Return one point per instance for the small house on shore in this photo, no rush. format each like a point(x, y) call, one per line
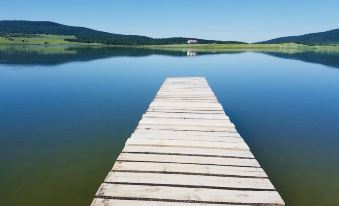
point(192, 41)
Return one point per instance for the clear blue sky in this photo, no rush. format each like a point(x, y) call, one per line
point(245, 20)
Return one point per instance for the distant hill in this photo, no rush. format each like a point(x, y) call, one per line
point(321, 38)
point(87, 35)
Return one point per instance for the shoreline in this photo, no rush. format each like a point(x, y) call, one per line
point(286, 47)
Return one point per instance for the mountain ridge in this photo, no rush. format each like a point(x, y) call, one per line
point(330, 37)
point(87, 35)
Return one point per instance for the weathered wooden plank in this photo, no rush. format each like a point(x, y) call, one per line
point(186, 105)
point(184, 140)
point(225, 161)
point(124, 202)
point(187, 143)
point(187, 124)
point(185, 87)
point(174, 86)
point(185, 80)
point(183, 99)
point(181, 89)
point(188, 137)
point(185, 108)
point(193, 111)
point(211, 170)
point(211, 97)
point(191, 122)
point(203, 181)
point(186, 91)
point(181, 93)
point(189, 133)
point(185, 116)
point(187, 128)
point(169, 100)
point(189, 195)
point(182, 83)
point(212, 152)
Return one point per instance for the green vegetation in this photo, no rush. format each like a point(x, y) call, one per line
point(35, 39)
point(321, 38)
point(85, 35)
point(36, 48)
point(51, 42)
point(284, 48)
point(45, 32)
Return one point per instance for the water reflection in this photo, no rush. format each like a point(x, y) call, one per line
point(325, 58)
point(54, 55)
point(61, 127)
point(191, 53)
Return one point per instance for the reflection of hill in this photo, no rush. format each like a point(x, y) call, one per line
point(325, 58)
point(53, 55)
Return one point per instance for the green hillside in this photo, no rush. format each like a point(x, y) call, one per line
point(86, 35)
point(321, 38)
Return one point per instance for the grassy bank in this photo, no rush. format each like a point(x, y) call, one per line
point(37, 39)
point(61, 40)
point(286, 48)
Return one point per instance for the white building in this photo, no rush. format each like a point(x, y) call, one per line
point(192, 41)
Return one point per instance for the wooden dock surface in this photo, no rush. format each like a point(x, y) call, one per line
point(186, 151)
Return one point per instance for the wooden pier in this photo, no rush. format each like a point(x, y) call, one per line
point(186, 152)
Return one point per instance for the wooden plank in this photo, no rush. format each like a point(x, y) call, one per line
point(186, 123)
point(181, 89)
point(188, 133)
point(174, 90)
point(187, 83)
point(186, 108)
point(211, 97)
point(190, 169)
point(180, 100)
point(179, 92)
point(193, 111)
point(186, 105)
point(185, 86)
point(212, 152)
point(188, 137)
point(188, 93)
point(194, 139)
point(187, 143)
point(222, 161)
point(189, 180)
point(191, 122)
point(175, 80)
point(185, 116)
point(196, 99)
point(189, 195)
point(124, 202)
point(187, 128)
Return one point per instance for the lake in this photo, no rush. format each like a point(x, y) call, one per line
point(66, 113)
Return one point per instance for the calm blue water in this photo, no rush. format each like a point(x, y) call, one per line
point(64, 120)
